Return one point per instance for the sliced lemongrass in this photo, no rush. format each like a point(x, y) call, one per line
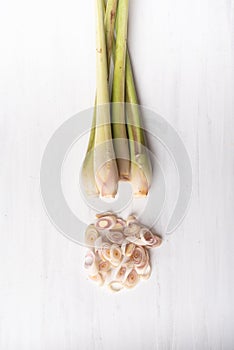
point(90, 263)
point(132, 229)
point(107, 213)
point(135, 240)
point(121, 273)
point(129, 249)
point(115, 237)
point(97, 278)
point(157, 242)
point(123, 246)
point(120, 225)
point(98, 244)
point(115, 286)
point(118, 93)
point(104, 266)
point(105, 222)
point(139, 257)
point(132, 279)
point(105, 251)
point(145, 272)
point(115, 255)
point(91, 235)
point(105, 167)
point(131, 219)
point(146, 236)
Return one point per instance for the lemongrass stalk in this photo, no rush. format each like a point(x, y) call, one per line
point(87, 174)
point(118, 93)
point(110, 16)
point(105, 167)
point(141, 169)
point(87, 171)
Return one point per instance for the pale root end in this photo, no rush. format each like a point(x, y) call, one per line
point(124, 169)
point(139, 181)
point(87, 176)
point(107, 179)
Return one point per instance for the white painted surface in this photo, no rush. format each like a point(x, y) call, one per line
point(183, 57)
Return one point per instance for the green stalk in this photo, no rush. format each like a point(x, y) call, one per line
point(118, 93)
point(105, 168)
point(88, 177)
point(141, 169)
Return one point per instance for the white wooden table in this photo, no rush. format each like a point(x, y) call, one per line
point(183, 57)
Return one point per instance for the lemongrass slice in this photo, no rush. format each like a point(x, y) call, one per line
point(98, 244)
point(115, 237)
point(123, 246)
point(105, 251)
point(132, 229)
point(115, 286)
point(146, 236)
point(132, 279)
point(129, 249)
point(120, 225)
point(145, 272)
point(90, 263)
point(156, 243)
point(105, 222)
point(107, 213)
point(97, 278)
point(104, 266)
point(121, 273)
point(115, 255)
point(91, 234)
point(139, 257)
point(131, 219)
point(136, 241)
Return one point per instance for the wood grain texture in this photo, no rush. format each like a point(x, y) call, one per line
point(183, 57)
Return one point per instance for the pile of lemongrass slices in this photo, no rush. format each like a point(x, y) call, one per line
point(118, 255)
point(117, 146)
